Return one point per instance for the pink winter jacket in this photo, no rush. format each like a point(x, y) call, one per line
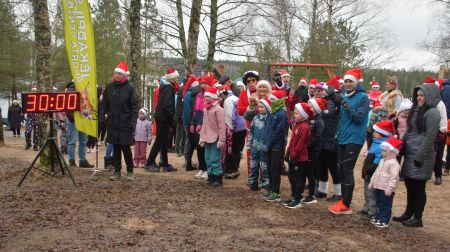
point(143, 131)
point(213, 128)
point(387, 174)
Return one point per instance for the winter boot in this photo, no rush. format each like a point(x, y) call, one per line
point(151, 168)
point(85, 164)
point(130, 176)
point(72, 164)
point(169, 168)
point(217, 181)
point(211, 179)
point(116, 176)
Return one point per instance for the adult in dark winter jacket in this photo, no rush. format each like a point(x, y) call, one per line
point(328, 153)
point(353, 119)
point(179, 136)
point(120, 107)
point(419, 152)
point(164, 117)
point(15, 117)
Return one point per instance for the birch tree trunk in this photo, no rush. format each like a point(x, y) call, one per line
point(135, 47)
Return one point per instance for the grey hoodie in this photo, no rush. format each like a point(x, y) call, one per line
point(420, 146)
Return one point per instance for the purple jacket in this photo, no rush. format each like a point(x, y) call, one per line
point(143, 131)
point(233, 120)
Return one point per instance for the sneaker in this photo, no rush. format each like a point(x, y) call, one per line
point(130, 176)
point(234, 175)
point(340, 208)
point(374, 220)
point(438, 181)
point(253, 187)
point(334, 198)
point(151, 168)
point(27, 147)
point(204, 175)
point(116, 176)
point(85, 164)
point(380, 224)
point(294, 204)
point(72, 164)
point(321, 195)
point(363, 213)
point(287, 201)
point(169, 168)
point(199, 174)
point(274, 197)
point(309, 200)
point(266, 195)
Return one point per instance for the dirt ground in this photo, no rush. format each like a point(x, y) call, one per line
point(174, 211)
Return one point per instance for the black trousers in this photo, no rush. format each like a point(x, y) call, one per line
point(274, 166)
point(160, 144)
point(297, 174)
point(347, 157)
point(233, 160)
point(447, 158)
point(117, 157)
point(314, 164)
point(193, 142)
point(16, 131)
point(416, 197)
point(439, 154)
point(328, 162)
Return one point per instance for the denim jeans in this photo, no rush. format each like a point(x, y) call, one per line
point(258, 161)
point(384, 204)
point(74, 136)
point(109, 150)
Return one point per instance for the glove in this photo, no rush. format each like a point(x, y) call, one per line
point(388, 192)
point(370, 186)
point(192, 129)
point(336, 98)
point(198, 128)
point(287, 157)
point(220, 145)
point(417, 163)
point(202, 144)
point(149, 141)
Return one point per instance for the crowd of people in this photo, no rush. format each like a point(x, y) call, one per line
point(328, 124)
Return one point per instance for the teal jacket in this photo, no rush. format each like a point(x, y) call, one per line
point(353, 119)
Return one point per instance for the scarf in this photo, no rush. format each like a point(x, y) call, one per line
point(209, 105)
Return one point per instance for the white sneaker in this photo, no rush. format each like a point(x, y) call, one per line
point(205, 175)
point(199, 174)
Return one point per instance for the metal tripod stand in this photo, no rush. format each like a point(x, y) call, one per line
point(55, 156)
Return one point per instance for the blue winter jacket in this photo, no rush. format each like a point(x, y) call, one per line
point(187, 108)
point(445, 95)
point(276, 126)
point(353, 119)
point(375, 149)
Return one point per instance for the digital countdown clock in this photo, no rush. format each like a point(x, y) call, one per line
point(50, 102)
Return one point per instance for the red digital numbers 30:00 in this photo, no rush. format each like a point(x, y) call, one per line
point(48, 102)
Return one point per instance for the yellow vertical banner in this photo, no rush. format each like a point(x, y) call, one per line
point(80, 45)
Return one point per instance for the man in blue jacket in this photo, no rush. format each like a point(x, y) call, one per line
point(353, 118)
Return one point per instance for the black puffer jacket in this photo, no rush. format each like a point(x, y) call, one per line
point(120, 106)
point(15, 116)
point(165, 109)
point(179, 104)
point(330, 118)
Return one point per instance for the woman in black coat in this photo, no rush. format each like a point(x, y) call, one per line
point(15, 117)
point(119, 105)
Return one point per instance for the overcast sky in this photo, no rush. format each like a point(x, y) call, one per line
point(410, 21)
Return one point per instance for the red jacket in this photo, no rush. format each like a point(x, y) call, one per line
point(300, 140)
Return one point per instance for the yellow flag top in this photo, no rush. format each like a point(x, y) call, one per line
point(79, 36)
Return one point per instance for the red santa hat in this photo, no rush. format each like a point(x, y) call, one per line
point(211, 92)
point(385, 128)
point(122, 68)
point(393, 144)
point(304, 81)
point(264, 83)
point(313, 83)
point(318, 104)
point(430, 80)
point(172, 74)
point(223, 88)
point(144, 111)
point(334, 82)
point(267, 104)
point(375, 84)
point(303, 109)
point(353, 75)
point(284, 73)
